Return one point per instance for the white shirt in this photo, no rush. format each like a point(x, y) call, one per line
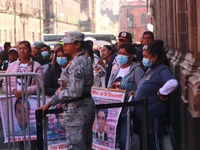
point(123, 71)
point(22, 69)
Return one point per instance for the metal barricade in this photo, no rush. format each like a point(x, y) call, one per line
point(41, 135)
point(20, 130)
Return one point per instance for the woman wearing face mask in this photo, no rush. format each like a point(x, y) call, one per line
point(131, 73)
point(156, 85)
point(59, 62)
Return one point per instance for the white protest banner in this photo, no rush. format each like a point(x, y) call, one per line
point(105, 124)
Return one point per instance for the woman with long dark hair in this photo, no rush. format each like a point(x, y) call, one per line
point(59, 63)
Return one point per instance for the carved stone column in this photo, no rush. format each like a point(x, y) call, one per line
point(180, 50)
point(182, 25)
point(193, 86)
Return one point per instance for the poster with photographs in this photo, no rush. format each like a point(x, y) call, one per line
point(56, 135)
point(15, 127)
point(105, 124)
point(18, 118)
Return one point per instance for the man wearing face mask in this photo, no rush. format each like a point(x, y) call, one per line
point(46, 56)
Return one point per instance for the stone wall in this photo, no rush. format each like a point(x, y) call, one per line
point(176, 22)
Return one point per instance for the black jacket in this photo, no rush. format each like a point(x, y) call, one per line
point(51, 80)
point(105, 136)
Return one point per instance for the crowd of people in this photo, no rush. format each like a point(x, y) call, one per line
point(73, 67)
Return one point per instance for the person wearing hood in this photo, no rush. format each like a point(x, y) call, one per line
point(131, 73)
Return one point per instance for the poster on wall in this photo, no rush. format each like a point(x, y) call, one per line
point(105, 124)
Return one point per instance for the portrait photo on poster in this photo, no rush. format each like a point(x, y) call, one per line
point(21, 115)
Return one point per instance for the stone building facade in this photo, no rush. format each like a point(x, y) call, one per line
point(177, 23)
point(29, 19)
point(60, 16)
point(133, 17)
point(20, 20)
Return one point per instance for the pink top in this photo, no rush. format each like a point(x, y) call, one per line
point(32, 66)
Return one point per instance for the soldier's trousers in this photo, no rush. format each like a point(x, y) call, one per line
point(79, 120)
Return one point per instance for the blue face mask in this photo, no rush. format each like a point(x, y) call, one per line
point(45, 54)
point(62, 61)
point(146, 62)
point(122, 59)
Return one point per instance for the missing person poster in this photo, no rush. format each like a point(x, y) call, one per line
point(105, 124)
point(18, 118)
point(18, 128)
point(56, 134)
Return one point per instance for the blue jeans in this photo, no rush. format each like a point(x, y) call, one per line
point(122, 132)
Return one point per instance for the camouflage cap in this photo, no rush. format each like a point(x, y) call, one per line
point(72, 36)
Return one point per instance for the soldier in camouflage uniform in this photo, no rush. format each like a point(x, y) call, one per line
point(76, 82)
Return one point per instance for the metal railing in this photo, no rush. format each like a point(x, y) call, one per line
point(143, 103)
point(10, 103)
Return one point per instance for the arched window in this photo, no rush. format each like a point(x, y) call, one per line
point(143, 19)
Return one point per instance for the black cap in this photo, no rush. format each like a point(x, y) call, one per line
point(126, 36)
